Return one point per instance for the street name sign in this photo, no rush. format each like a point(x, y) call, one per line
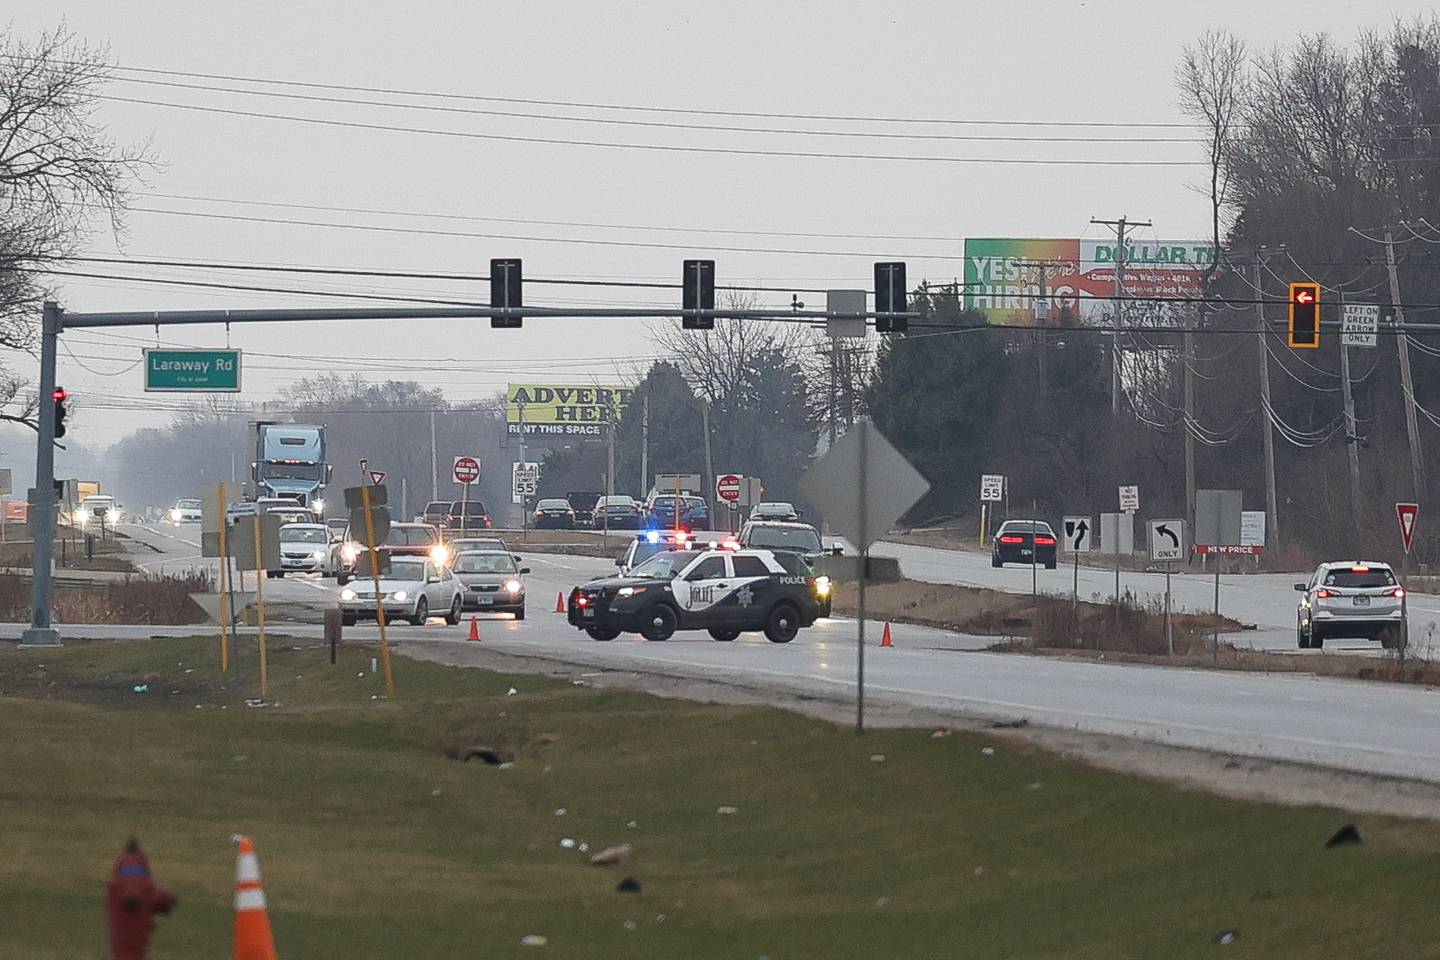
point(192, 371)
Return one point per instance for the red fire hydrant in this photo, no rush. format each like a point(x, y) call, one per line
point(134, 899)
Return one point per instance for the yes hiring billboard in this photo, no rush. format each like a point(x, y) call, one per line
point(571, 410)
point(1004, 277)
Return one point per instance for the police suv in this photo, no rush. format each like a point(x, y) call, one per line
point(724, 591)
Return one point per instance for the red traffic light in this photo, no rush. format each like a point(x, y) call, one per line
point(1304, 315)
point(59, 395)
point(1305, 296)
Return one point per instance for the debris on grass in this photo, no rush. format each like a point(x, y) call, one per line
point(1010, 724)
point(568, 843)
point(533, 940)
point(877, 758)
point(988, 751)
point(1345, 835)
point(727, 810)
point(612, 855)
point(1226, 936)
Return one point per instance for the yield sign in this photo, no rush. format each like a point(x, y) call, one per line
point(1407, 513)
point(377, 477)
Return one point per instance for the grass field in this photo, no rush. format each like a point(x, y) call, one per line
point(375, 845)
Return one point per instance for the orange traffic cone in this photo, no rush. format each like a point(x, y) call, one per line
point(560, 602)
point(253, 939)
point(885, 640)
point(474, 628)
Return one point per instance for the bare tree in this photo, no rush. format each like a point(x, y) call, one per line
point(58, 168)
point(1212, 80)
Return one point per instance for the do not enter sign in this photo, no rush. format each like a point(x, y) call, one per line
point(727, 488)
point(467, 470)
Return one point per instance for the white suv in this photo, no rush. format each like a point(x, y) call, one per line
point(1350, 599)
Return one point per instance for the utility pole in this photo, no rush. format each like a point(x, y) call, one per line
point(644, 445)
point(524, 507)
point(1268, 427)
point(1417, 467)
point(434, 462)
point(1352, 437)
point(1188, 345)
point(1120, 227)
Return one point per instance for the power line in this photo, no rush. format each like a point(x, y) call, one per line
point(654, 147)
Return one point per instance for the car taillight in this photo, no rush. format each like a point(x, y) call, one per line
point(1045, 541)
point(1322, 594)
point(1398, 593)
point(1010, 539)
point(582, 601)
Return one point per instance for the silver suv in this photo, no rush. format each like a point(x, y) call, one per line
point(1350, 599)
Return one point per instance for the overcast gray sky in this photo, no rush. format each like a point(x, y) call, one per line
point(1068, 60)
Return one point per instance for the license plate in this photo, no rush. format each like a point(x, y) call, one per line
point(1024, 551)
point(484, 601)
point(1362, 601)
point(588, 613)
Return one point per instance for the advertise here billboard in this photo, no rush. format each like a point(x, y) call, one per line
point(564, 410)
point(1034, 281)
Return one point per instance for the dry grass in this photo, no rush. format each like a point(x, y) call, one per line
point(141, 599)
point(109, 553)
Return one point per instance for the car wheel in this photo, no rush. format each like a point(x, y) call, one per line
point(1050, 564)
point(724, 634)
point(1390, 638)
point(603, 634)
point(422, 612)
point(995, 560)
point(341, 579)
point(520, 614)
point(453, 617)
point(660, 622)
point(783, 623)
point(1317, 640)
point(1301, 640)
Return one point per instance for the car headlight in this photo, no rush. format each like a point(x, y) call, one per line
point(822, 586)
point(629, 591)
point(82, 516)
point(512, 585)
point(350, 552)
point(400, 595)
point(318, 506)
point(347, 594)
point(175, 515)
point(317, 555)
point(439, 553)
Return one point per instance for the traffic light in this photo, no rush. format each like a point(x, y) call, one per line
point(1305, 315)
point(699, 284)
point(890, 297)
point(505, 292)
point(59, 395)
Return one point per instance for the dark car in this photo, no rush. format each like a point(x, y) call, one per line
point(583, 503)
point(726, 592)
point(692, 510)
point(1023, 541)
point(403, 540)
point(780, 536)
point(618, 513)
point(434, 513)
point(553, 514)
point(465, 515)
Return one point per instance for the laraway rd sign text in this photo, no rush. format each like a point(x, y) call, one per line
point(198, 371)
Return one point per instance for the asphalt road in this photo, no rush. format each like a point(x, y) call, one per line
point(1369, 727)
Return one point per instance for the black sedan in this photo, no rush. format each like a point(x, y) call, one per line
point(553, 514)
point(1024, 541)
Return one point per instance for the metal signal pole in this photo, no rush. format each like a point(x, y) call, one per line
point(1120, 227)
point(1412, 426)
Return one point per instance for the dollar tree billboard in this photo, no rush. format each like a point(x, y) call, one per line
point(1018, 281)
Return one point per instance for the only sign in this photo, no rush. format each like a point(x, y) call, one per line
point(467, 470)
point(727, 488)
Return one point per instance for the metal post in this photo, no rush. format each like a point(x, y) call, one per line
point(375, 581)
point(709, 480)
point(1352, 441)
point(404, 497)
point(225, 590)
point(862, 516)
point(1267, 432)
point(1215, 640)
point(1118, 323)
point(260, 607)
point(645, 445)
point(41, 632)
point(1402, 343)
point(609, 485)
point(1075, 587)
point(1189, 378)
point(1169, 633)
point(434, 463)
point(524, 507)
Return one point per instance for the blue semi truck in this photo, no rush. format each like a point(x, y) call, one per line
point(290, 463)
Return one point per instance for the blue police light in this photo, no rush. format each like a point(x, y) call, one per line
point(653, 536)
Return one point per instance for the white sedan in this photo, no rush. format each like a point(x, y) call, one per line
point(304, 548)
point(413, 589)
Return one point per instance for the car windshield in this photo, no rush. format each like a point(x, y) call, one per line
point(188, 504)
point(552, 505)
point(484, 563)
point(406, 570)
point(662, 566)
point(437, 506)
point(613, 502)
point(473, 508)
point(776, 508)
point(1360, 577)
point(480, 544)
point(291, 534)
point(794, 564)
point(409, 536)
point(795, 538)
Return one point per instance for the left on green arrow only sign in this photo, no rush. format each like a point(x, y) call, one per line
point(192, 371)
